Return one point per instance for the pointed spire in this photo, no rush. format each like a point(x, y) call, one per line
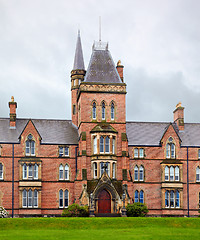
point(78, 59)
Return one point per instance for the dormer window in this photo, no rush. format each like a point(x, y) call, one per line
point(30, 146)
point(94, 110)
point(170, 149)
point(103, 111)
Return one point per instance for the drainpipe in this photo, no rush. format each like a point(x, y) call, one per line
point(76, 149)
point(188, 184)
point(12, 180)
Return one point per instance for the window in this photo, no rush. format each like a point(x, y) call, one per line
point(114, 170)
point(24, 171)
point(101, 144)
point(172, 199)
point(24, 198)
point(66, 198)
point(66, 172)
point(198, 174)
point(176, 173)
point(61, 198)
point(170, 150)
point(136, 173)
point(112, 113)
point(0, 150)
point(66, 151)
point(95, 169)
point(30, 198)
point(74, 109)
point(1, 171)
point(63, 151)
point(141, 173)
point(108, 168)
point(135, 152)
point(136, 196)
point(30, 146)
point(30, 171)
point(35, 199)
point(63, 202)
point(166, 173)
point(113, 145)
point(107, 145)
point(141, 152)
point(101, 168)
point(198, 153)
point(61, 172)
point(103, 111)
point(171, 170)
point(94, 110)
point(141, 196)
point(60, 151)
point(35, 171)
point(95, 145)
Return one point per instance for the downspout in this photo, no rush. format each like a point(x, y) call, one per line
point(188, 199)
point(76, 149)
point(12, 180)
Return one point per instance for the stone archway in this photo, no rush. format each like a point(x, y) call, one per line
point(104, 202)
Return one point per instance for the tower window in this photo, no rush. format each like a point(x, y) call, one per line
point(103, 111)
point(112, 113)
point(94, 110)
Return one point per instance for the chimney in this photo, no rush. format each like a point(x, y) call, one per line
point(12, 106)
point(120, 70)
point(179, 116)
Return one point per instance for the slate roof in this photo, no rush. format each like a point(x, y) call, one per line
point(101, 67)
point(78, 59)
point(150, 133)
point(51, 131)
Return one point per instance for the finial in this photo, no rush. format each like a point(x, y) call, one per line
point(119, 63)
point(178, 105)
point(12, 99)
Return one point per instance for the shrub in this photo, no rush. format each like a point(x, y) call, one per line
point(75, 210)
point(136, 210)
point(3, 212)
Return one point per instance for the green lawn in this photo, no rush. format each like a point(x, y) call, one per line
point(99, 228)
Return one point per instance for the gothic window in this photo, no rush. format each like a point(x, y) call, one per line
point(114, 170)
point(141, 173)
point(30, 171)
point(166, 173)
point(95, 145)
point(136, 196)
point(101, 144)
point(61, 198)
point(113, 145)
point(95, 169)
point(177, 202)
point(198, 174)
point(107, 145)
point(176, 173)
point(171, 170)
point(167, 198)
point(30, 198)
point(112, 113)
point(35, 199)
point(101, 168)
point(141, 196)
point(61, 172)
point(94, 110)
point(24, 198)
point(66, 198)
point(136, 173)
point(1, 171)
point(108, 168)
point(172, 173)
point(170, 149)
point(172, 199)
point(103, 111)
point(35, 171)
point(66, 172)
point(30, 146)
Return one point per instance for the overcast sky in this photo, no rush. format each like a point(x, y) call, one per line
point(157, 41)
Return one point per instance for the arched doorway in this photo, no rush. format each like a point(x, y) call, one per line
point(104, 202)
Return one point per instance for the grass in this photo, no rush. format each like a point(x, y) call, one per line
point(99, 228)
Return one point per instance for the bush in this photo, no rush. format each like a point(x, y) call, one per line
point(136, 210)
point(75, 210)
point(3, 212)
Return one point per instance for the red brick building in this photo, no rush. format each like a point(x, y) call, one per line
point(98, 158)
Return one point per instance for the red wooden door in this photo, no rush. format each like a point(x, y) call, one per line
point(104, 202)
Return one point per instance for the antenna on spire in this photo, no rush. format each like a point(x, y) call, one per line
point(99, 28)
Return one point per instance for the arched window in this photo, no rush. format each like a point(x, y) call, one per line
point(141, 196)
point(95, 144)
point(171, 198)
point(108, 168)
point(167, 198)
point(24, 171)
point(35, 199)
point(198, 174)
point(113, 145)
point(171, 173)
point(1, 171)
point(30, 146)
point(136, 173)
point(141, 173)
point(35, 171)
point(30, 198)
point(61, 172)
point(107, 145)
point(66, 172)
point(170, 149)
point(30, 171)
point(24, 198)
point(112, 113)
point(94, 110)
point(95, 170)
point(136, 196)
point(114, 170)
point(66, 198)
point(166, 173)
point(177, 199)
point(103, 111)
point(101, 144)
point(176, 173)
point(101, 168)
point(61, 198)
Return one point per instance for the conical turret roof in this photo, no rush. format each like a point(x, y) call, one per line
point(78, 59)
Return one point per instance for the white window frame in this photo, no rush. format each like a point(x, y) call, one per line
point(136, 173)
point(66, 152)
point(61, 172)
point(102, 144)
point(60, 151)
point(24, 198)
point(94, 111)
point(103, 115)
point(107, 144)
point(66, 172)
point(66, 198)
point(30, 171)
point(1, 171)
point(166, 173)
point(35, 171)
point(176, 173)
point(113, 145)
point(141, 173)
point(95, 144)
point(35, 199)
point(171, 173)
point(95, 170)
point(141, 152)
point(30, 198)
point(198, 174)
point(136, 153)
point(112, 111)
point(114, 170)
point(61, 200)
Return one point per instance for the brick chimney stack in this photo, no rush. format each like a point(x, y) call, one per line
point(120, 70)
point(179, 116)
point(12, 106)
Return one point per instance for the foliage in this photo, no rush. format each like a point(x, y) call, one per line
point(3, 212)
point(136, 210)
point(75, 210)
